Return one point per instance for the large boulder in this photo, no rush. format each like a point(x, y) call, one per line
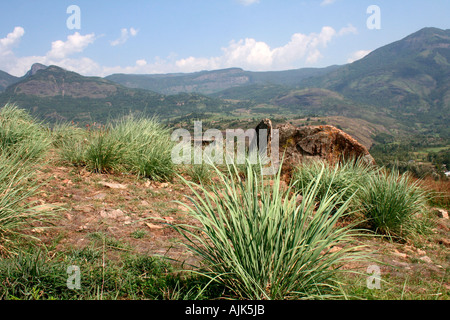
point(299, 144)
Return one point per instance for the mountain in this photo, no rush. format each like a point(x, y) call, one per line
point(403, 86)
point(209, 82)
point(408, 81)
point(6, 80)
point(34, 69)
point(409, 76)
point(56, 94)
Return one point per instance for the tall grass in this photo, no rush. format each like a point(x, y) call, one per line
point(258, 241)
point(147, 147)
point(23, 144)
point(346, 177)
point(136, 145)
point(393, 203)
point(19, 132)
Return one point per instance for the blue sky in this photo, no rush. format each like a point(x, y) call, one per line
point(167, 36)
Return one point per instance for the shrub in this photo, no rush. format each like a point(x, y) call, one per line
point(346, 177)
point(103, 153)
point(70, 143)
point(147, 147)
point(392, 203)
point(255, 239)
point(136, 145)
point(19, 132)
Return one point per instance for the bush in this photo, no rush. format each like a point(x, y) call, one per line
point(346, 177)
point(147, 147)
point(19, 132)
point(392, 203)
point(136, 145)
point(23, 144)
point(255, 239)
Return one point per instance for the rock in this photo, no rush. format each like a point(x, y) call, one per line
point(299, 144)
point(114, 214)
point(113, 185)
point(441, 213)
point(99, 196)
point(426, 259)
point(421, 252)
point(153, 226)
point(400, 254)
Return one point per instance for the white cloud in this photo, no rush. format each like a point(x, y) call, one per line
point(256, 55)
point(124, 36)
point(59, 54)
point(247, 2)
point(357, 55)
point(349, 29)
point(75, 43)
point(327, 2)
point(249, 53)
point(11, 40)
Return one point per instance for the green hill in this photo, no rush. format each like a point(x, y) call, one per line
point(55, 94)
point(6, 80)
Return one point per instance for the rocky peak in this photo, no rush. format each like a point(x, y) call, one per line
point(35, 68)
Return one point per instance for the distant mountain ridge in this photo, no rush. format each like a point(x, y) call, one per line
point(210, 82)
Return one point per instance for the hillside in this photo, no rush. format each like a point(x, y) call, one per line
point(6, 80)
point(408, 79)
point(55, 94)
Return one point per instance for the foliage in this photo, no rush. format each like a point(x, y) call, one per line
point(256, 240)
point(136, 145)
point(344, 177)
point(392, 203)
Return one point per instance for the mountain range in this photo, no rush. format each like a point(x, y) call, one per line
point(403, 86)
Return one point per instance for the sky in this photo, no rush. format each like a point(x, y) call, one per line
point(103, 37)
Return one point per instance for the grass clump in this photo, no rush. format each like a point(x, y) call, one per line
point(392, 203)
point(41, 276)
point(130, 145)
point(146, 146)
point(345, 177)
point(20, 134)
point(23, 144)
point(257, 241)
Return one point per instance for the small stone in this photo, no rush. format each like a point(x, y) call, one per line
point(400, 254)
point(426, 259)
point(421, 252)
point(114, 214)
point(169, 219)
point(113, 185)
point(99, 196)
point(441, 213)
point(153, 226)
